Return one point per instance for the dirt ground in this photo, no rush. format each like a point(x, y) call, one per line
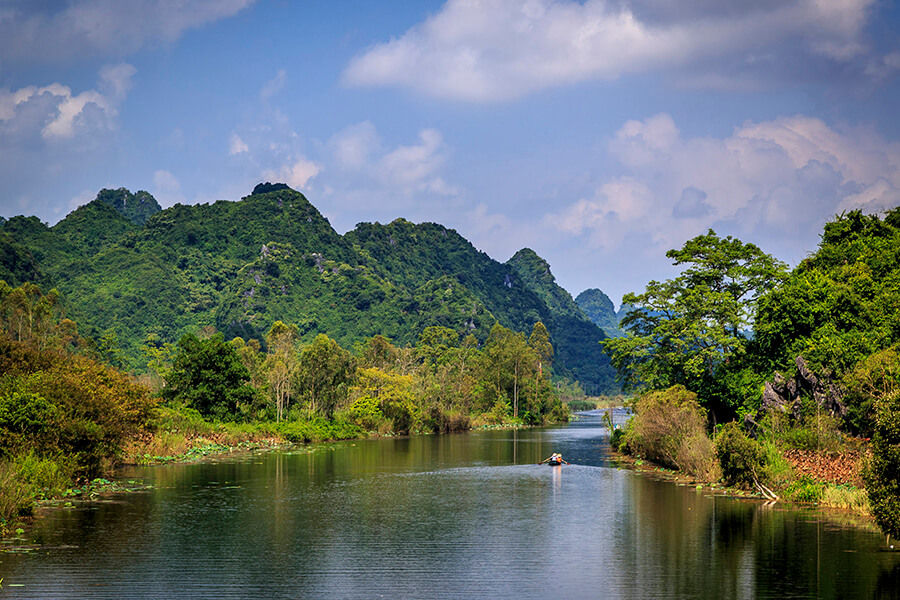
point(844, 468)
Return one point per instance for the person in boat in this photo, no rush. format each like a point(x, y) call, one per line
point(555, 459)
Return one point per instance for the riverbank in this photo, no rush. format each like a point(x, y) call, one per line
point(821, 479)
point(183, 436)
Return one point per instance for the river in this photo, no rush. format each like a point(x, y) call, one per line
point(456, 516)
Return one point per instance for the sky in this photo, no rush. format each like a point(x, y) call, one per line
point(599, 133)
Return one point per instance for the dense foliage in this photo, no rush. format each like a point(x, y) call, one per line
point(129, 271)
point(693, 330)
point(600, 309)
point(62, 412)
point(735, 319)
point(208, 375)
point(883, 473)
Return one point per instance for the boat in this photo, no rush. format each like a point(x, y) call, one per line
point(554, 463)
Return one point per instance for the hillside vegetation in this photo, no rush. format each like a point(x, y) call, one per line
point(132, 274)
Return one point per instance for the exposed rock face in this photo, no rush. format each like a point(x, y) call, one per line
point(785, 395)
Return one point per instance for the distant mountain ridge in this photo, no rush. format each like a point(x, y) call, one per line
point(123, 263)
point(601, 311)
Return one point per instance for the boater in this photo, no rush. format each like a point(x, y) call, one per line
point(555, 459)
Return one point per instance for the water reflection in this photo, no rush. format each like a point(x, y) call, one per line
point(441, 517)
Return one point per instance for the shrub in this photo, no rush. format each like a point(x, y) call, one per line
point(740, 457)
point(318, 429)
point(805, 489)
point(366, 412)
point(669, 427)
point(441, 421)
point(882, 474)
point(777, 471)
point(16, 496)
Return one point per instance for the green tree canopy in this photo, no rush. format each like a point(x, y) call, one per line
point(324, 375)
point(208, 375)
point(693, 330)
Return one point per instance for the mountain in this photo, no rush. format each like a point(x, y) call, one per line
point(600, 310)
point(137, 207)
point(125, 265)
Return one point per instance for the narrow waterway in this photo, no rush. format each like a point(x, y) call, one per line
point(457, 516)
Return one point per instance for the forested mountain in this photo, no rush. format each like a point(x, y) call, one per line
point(601, 311)
point(125, 266)
point(137, 208)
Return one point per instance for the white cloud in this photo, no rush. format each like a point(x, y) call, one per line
point(405, 169)
point(58, 113)
point(166, 183)
point(167, 188)
point(416, 164)
point(32, 31)
point(774, 180)
point(495, 50)
point(296, 174)
point(236, 145)
point(274, 85)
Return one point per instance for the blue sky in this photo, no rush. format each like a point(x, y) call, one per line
point(599, 133)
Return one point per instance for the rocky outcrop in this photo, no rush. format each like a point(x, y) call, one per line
point(785, 395)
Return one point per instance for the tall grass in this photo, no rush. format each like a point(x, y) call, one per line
point(26, 478)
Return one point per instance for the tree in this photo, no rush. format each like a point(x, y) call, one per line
point(692, 329)
point(539, 342)
point(883, 473)
point(434, 343)
point(324, 375)
point(281, 363)
point(27, 314)
point(839, 305)
point(208, 375)
point(509, 360)
point(378, 352)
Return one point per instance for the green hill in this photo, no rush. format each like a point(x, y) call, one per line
point(137, 208)
point(601, 311)
point(123, 265)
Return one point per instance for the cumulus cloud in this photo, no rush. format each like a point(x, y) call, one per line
point(58, 114)
point(236, 145)
point(495, 50)
point(297, 173)
point(36, 31)
point(359, 151)
point(772, 180)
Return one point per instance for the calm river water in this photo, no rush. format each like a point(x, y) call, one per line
point(458, 516)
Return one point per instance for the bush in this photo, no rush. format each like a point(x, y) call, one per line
point(805, 490)
point(318, 429)
point(616, 438)
point(669, 427)
point(366, 412)
point(441, 421)
point(882, 474)
point(741, 458)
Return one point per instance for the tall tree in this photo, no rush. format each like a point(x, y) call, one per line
point(281, 363)
point(324, 375)
point(509, 360)
point(208, 375)
point(691, 329)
